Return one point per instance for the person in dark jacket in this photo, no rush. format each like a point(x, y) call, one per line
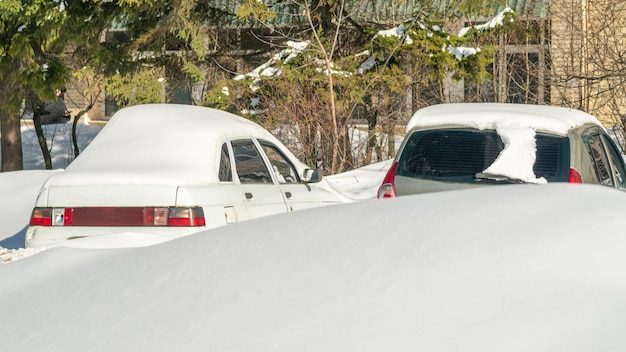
point(55, 111)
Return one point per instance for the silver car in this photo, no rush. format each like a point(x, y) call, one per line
point(454, 146)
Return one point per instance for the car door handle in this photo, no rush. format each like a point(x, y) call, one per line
point(249, 195)
point(288, 195)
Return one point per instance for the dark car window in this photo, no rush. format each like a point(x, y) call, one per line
point(617, 162)
point(458, 155)
point(249, 164)
point(599, 158)
point(552, 158)
point(282, 167)
point(225, 171)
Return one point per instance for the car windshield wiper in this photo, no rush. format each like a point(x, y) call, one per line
point(496, 178)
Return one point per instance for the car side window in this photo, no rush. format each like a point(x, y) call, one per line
point(599, 159)
point(225, 171)
point(617, 163)
point(281, 166)
point(248, 163)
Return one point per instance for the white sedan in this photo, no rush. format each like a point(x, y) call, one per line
point(173, 170)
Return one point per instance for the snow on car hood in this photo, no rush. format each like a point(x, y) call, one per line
point(516, 124)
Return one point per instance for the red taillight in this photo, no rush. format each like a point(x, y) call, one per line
point(387, 188)
point(575, 176)
point(118, 216)
point(41, 217)
point(68, 217)
point(186, 217)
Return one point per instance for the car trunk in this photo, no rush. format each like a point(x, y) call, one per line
point(108, 195)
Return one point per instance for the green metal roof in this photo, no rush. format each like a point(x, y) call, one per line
point(537, 8)
point(390, 11)
point(401, 10)
point(374, 11)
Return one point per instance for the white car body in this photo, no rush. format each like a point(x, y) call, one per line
point(166, 156)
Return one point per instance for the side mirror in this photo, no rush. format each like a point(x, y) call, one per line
point(312, 176)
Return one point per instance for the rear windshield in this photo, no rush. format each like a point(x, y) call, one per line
point(457, 155)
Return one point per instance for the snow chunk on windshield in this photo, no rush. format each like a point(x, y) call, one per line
point(517, 158)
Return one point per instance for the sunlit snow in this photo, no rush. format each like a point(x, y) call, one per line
point(522, 268)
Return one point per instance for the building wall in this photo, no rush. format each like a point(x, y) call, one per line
point(587, 48)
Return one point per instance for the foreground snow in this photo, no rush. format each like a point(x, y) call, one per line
point(516, 268)
point(521, 268)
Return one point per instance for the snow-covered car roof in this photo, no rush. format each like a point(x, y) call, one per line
point(160, 144)
point(544, 118)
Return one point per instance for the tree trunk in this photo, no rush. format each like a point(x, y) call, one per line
point(10, 129)
point(74, 127)
point(391, 137)
point(11, 139)
point(74, 137)
point(372, 122)
point(43, 145)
